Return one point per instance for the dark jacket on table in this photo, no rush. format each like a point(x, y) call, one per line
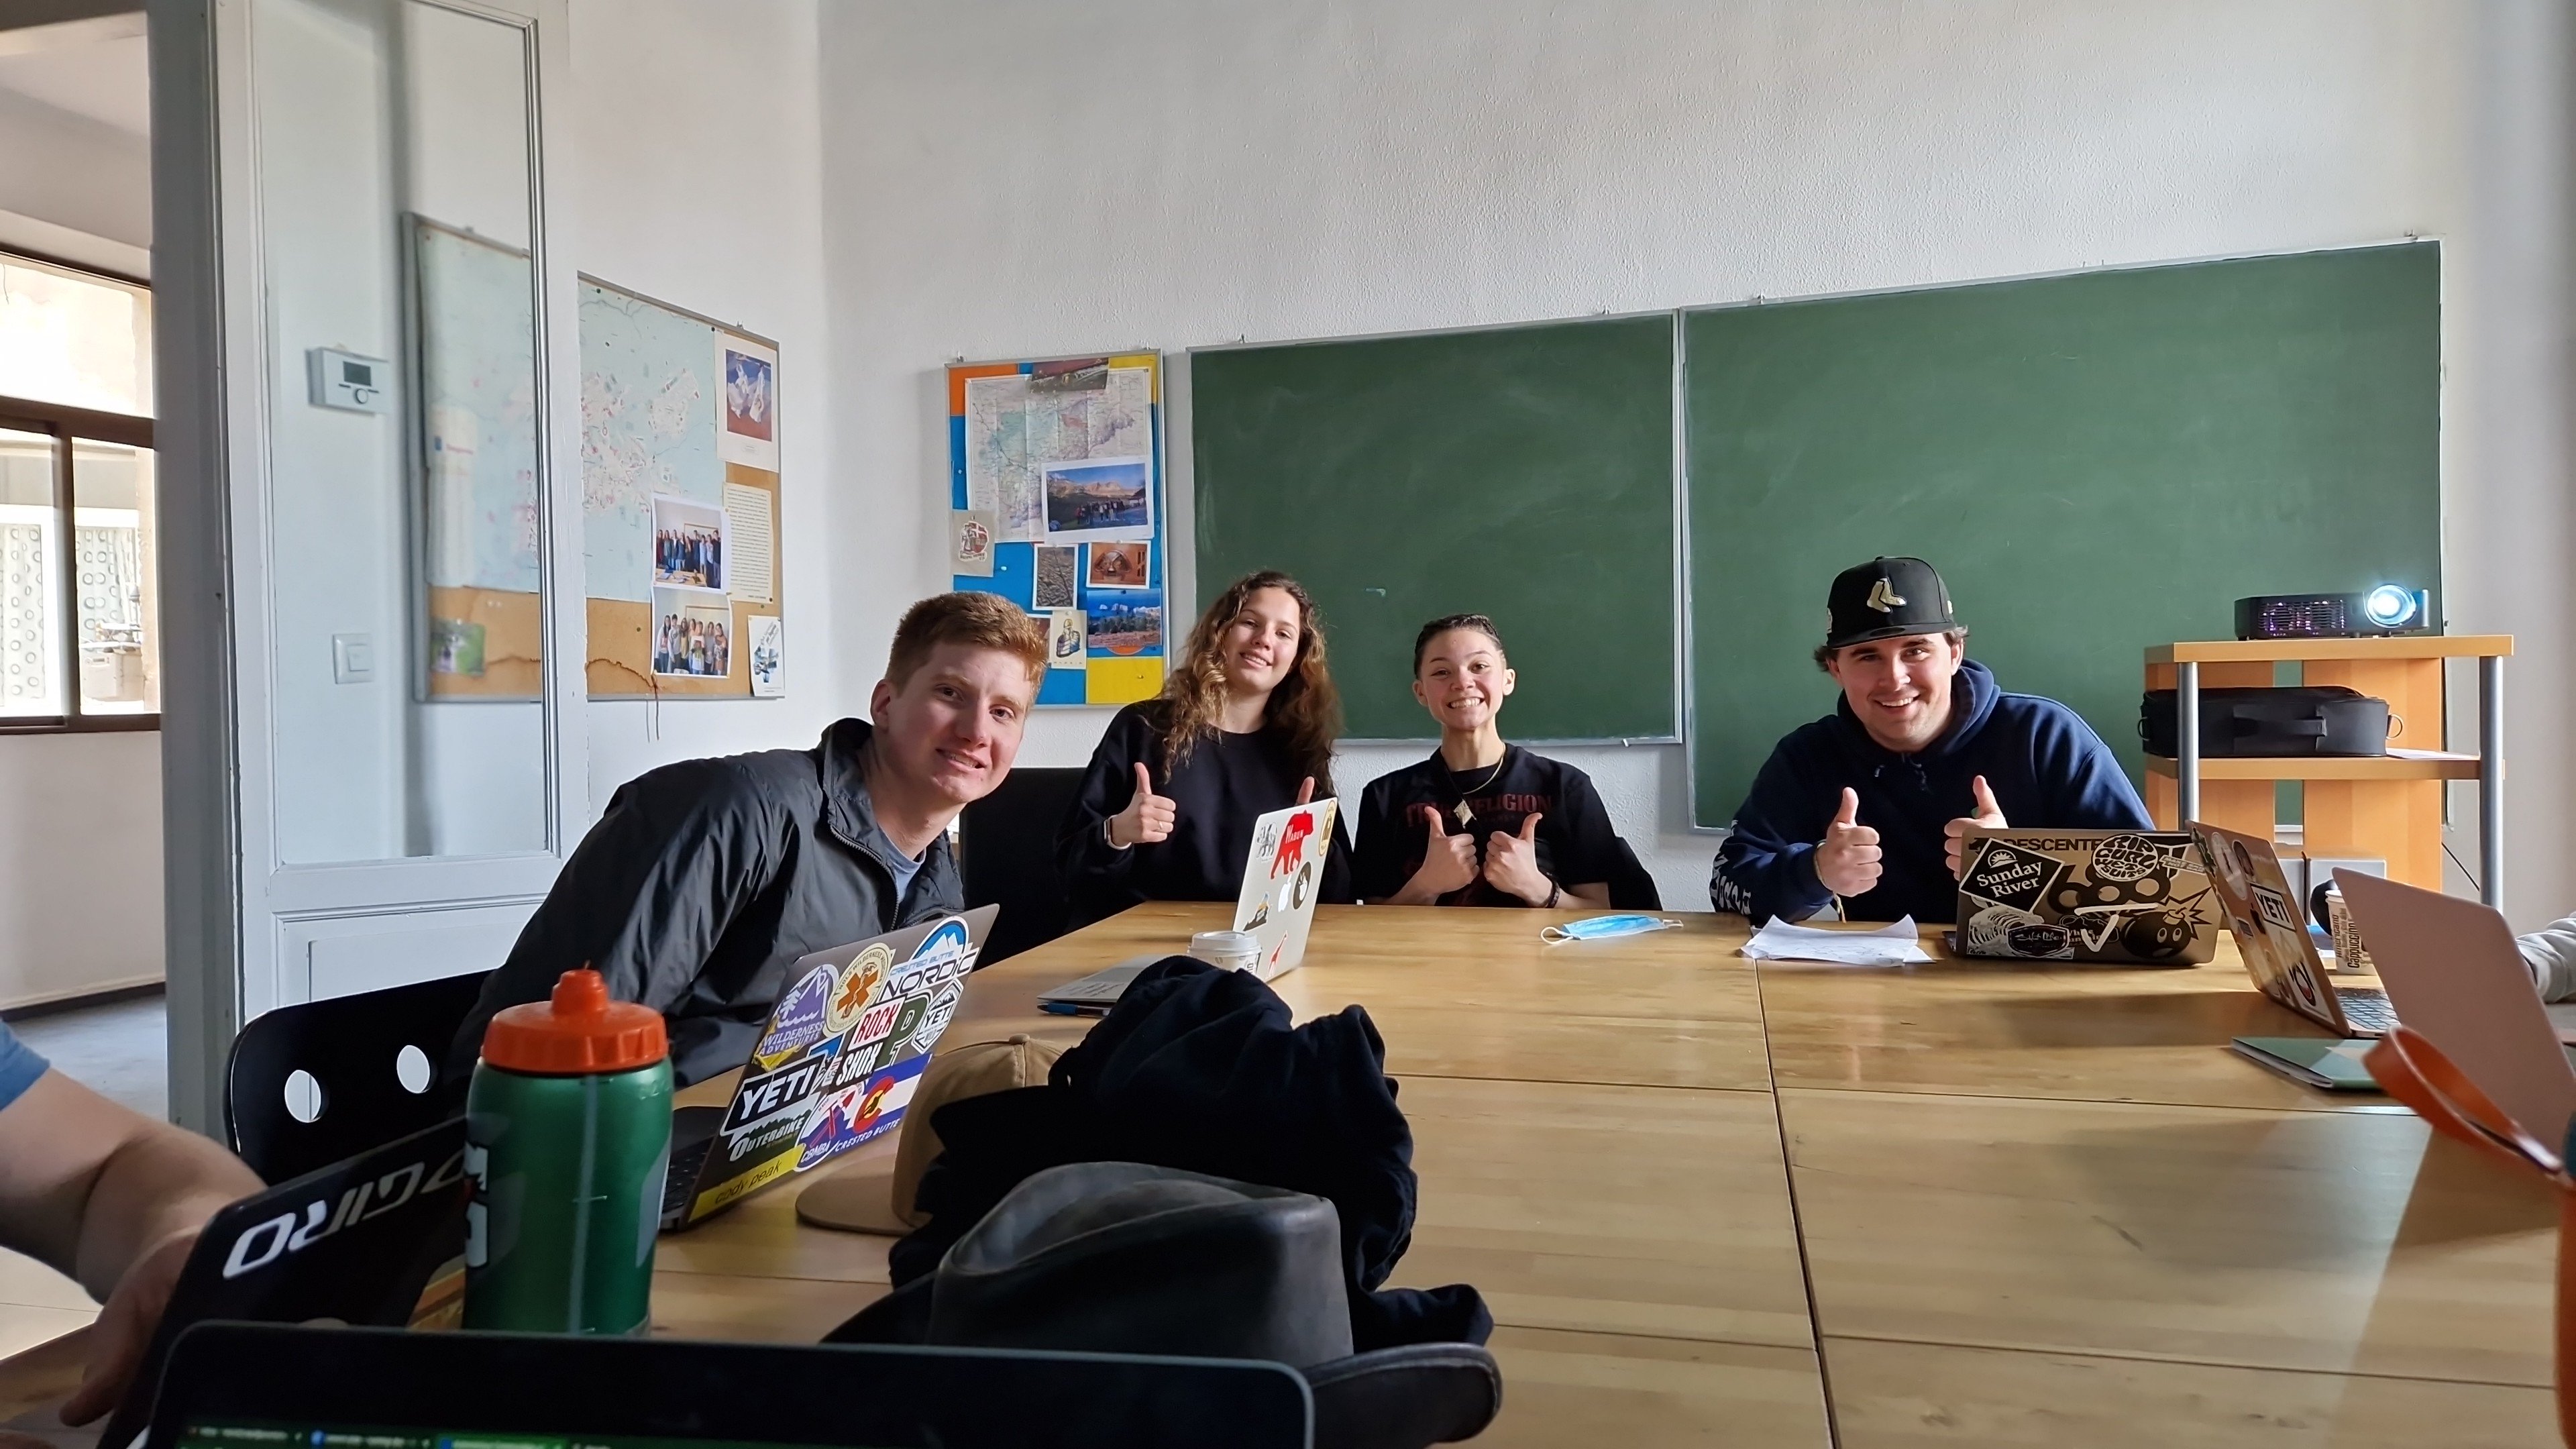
point(1228, 782)
point(2046, 766)
point(1577, 845)
point(702, 885)
point(1199, 1069)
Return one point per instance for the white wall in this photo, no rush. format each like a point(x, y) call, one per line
point(74, 172)
point(1026, 178)
point(80, 864)
point(695, 177)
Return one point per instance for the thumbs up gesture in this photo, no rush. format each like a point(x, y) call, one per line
point(1448, 862)
point(1848, 858)
point(1511, 863)
point(1987, 814)
point(1147, 818)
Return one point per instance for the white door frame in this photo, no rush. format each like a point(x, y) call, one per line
point(235, 909)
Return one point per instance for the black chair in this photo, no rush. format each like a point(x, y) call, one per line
point(353, 1050)
point(1632, 887)
point(1006, 847)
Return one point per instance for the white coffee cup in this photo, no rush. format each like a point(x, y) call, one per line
point(1226, 950)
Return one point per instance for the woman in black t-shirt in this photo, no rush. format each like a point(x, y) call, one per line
point(1245, 726)
point(1484, 823)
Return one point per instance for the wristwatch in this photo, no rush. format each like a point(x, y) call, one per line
point(1555, 893)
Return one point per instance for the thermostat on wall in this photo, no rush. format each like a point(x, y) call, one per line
point(349, 382)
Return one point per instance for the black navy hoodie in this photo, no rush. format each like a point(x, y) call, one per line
point(2046, 766)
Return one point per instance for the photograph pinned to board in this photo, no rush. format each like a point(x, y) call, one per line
point(1059, 578)
point(692, 634)
point(768, 645)
point(1100, 500)
point(689, 541)
point(1065, 637)
point(748, 430)
point(456, 647)
point(1118, 627)
point(1121, 566)
point(972, 532)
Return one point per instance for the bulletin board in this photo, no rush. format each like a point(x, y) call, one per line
point(680, 500)
point(1056, 503)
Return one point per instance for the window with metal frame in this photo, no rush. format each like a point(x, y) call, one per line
point(79, 616)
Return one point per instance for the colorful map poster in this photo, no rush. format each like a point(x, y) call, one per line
point(1089, 430)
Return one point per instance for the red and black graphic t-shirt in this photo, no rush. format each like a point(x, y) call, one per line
point(1576, 844)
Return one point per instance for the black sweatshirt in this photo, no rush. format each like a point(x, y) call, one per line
point(1228, 782)
point(1577, 845)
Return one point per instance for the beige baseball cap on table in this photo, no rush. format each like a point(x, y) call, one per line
point(875, 1196)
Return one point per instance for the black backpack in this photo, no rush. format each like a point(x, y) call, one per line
point(2323, 719)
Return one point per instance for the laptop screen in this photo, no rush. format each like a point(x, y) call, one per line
point(263, 1386)
point(309, 1436)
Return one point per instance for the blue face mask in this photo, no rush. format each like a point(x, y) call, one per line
point(1596, 928)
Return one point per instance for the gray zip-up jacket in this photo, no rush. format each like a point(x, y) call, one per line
point(704, 882)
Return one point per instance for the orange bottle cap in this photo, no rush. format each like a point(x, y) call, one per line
point(578, 1033)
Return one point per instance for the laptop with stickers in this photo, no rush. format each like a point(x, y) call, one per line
point(2272, 935)
point(2125, 896)
point(1280, 882)
point(834, 1066)
point(1281, 875)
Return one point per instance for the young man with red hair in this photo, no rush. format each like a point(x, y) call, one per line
point(707, 879)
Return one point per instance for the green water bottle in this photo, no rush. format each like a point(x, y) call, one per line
point(567, 1133)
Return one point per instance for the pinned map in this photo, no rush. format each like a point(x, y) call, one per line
point(649, 391)
point(478, 407)
point(1020, 423)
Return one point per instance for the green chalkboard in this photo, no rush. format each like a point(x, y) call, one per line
point(2096, 463)
point(1522, 472)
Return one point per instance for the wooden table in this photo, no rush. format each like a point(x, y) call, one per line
point(1971, 1203)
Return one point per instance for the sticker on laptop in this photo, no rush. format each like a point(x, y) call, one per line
point(802, 1018)
point(2123, 897)
point(859, 982)
point(858, 1113)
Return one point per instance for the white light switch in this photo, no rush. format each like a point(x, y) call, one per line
point(353, 658)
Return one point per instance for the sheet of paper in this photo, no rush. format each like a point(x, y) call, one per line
point(1896, 945)
point(768, 656)
point(752, 543)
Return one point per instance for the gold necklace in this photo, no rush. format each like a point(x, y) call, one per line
point(1466, 813)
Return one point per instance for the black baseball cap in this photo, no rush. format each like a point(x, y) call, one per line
point(1886, 598)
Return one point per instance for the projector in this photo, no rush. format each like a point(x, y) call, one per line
point(2387, 609)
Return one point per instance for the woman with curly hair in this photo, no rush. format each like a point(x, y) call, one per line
point(1245, 725)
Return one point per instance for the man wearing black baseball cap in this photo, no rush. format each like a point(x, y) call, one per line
point(1867, 804)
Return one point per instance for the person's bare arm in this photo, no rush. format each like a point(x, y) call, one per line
point(115, 1199)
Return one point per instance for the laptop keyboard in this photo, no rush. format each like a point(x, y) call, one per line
point(2367, 1008)
point(682, 1176)
point(693, 1136)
